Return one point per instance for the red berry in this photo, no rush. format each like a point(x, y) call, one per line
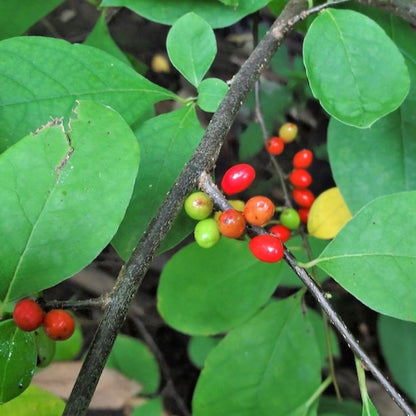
point(304, 214)
point(302, 159)
point(232, 223)
point(275, 146)
point(300, 178)
point(58, 324)
point(303, 197)
point(259, 210)
point(238, 178)
point(28, 315)
point(266, 248)
point(281, 232)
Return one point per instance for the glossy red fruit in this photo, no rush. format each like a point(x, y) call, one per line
point(303, 197)
point(232, 223)
point(288, 132)
point(304, 214)
point(281, 232)
point(58, 324)
point(300, 178)
point(28, 315)
point(238, 178)
point(303, 159)
point(259, 210)
point(266, 248)
point(275, 146)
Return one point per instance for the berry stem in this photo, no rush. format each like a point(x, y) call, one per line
point(345, 333)
point(321, 298)
point(204, 158)
point(99, 302)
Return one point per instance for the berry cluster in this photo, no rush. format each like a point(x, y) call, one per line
point(258, 210)
point(58, 324)
point(300, 178)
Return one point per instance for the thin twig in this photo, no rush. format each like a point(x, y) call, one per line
point(346, 334)
point(204, 158)
point(164, 368)
point(324, 304)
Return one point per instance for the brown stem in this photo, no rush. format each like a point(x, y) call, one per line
point(320, 297)
point(406, 9)
point(204, 158)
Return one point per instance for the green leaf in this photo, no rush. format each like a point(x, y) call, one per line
point(100, 38)
point(331, 406)
point(64, 196)
point(39, 401)
point(318, 326)
point(16, 20)
point(167, 12)
point(268, 366)
point(397, 340)
point(199, 347)
point(369, 409)
point(211, 92)
point(17, 360)
point(358, 76)
point(45, 348)
point(206, 292)
point(390, 142)
point(233, 3)
point(166, 143)
point(71, 347)
point(295, 245)
point(251, 141)
point(134, 359)
point(41, 78)
point(191, 47)
point(152, 407)
point(373, 257)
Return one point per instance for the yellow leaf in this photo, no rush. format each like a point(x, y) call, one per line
point(328, 214)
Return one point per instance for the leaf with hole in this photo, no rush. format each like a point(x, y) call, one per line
point(42, 78)
point(64, 195)
point(358, 76)
point(373, 257)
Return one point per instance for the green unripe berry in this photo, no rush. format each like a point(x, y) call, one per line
point(206, 233)
point(198, 205)
point(290, 218)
